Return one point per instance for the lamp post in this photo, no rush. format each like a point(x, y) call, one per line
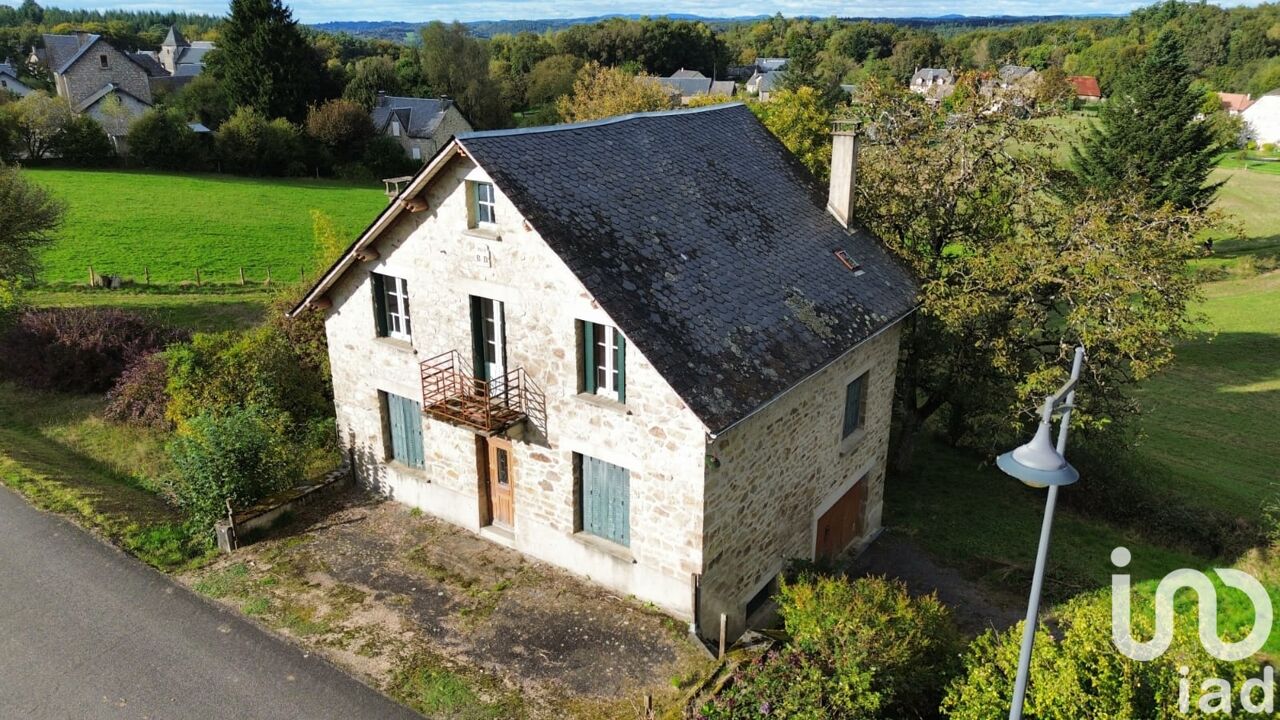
point(1040, 464)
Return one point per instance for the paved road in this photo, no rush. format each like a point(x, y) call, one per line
point(87, 632)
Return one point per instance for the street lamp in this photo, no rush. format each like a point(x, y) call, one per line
point(1040, 464)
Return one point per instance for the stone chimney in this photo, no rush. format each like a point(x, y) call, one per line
point(844, 170)
point(82, 37)
point(382, 98)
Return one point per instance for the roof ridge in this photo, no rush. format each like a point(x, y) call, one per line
point(597, 123)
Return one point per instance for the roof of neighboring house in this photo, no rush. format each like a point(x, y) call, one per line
point(174, 38)
point(769, 80)
point(149, 63)
point(194, 53)
point(102, 93)
point(419, 117)
point(1012, 73)
point(722, 87)
point(682, 73)
point(733, 303)
point(1085, 85)
point(931, 75)
point(685, 86)
point(1234, 102)
point(61, 54)
point(771, 64)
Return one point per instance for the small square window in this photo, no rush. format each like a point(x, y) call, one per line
point(483, 205)
point(102, 60)
point(855, 405)
point(416, 152)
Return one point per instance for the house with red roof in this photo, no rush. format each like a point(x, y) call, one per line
point(1087, 88)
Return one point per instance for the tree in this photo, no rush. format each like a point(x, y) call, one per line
point(83, 142)
point(1014, 271)
point(551, 78)
point(601, 92)
point(203, 100)
point(264, 61)
point(801, 120)
point(28, 217)
point(342, 126)
point(371, 76)
point(162, 139)
point(8, 132)
point(40, 119)
point(1150, 135)
point(455, 64)
point(250, 144)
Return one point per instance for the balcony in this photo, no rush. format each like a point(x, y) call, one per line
point(451, 392)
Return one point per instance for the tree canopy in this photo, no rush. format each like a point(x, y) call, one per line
point(264, 61)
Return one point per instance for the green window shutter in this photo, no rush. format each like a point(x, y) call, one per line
point(588, 356)
point(406, 430)
point(477, 337)
point(396, 420)
point(379, 304)
point(621, 361)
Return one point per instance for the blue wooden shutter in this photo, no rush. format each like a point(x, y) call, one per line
point(606, 500)
point(588, 356)
point(406, 431)
point(852, 406)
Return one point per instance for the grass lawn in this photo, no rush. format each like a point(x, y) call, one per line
point(209, 309)
point(122, 222)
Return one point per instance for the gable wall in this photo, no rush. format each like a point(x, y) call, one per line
point(782, 467)
point(1263, 119)
point(451, 125)
point(86, 76)
point(654, 435)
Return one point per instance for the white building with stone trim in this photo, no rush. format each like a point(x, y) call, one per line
point(576, 341)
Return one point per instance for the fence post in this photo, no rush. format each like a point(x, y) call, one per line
point(242, 275)
point(146, 273)
point(91, 276)
point(302, 274)
point(268, 274)
point(198, 284)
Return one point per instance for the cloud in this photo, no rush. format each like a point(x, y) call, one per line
point(314, 11)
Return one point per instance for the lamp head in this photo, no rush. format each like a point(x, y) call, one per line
point(1038, 463)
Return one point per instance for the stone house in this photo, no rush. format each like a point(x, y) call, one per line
point(421, 125)
point(94, 76)
point(1086, 87)
point(9, 82)
point(181, 57)
point(934, 84)
point(763, 84)
point(684, 85)
point(577, 342)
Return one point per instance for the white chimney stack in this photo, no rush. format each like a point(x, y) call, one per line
point(844, 170)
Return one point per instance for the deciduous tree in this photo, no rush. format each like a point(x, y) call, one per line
point(455, 64)
point(29, 215)
point(604, 92)
point(40, 119)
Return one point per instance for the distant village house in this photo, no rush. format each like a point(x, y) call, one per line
point(1086, 87)
point(933, 83)
point(421, 125)
point(684, 85)
point(96, 79)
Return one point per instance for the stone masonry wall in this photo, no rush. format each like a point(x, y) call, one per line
point(653, 435)
point(452, 125)
point(781, 467)
point(87, 76)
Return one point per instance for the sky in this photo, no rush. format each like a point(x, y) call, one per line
point(315, 11)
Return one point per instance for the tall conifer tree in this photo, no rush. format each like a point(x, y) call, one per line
point(1150, 134)
point(264, 61)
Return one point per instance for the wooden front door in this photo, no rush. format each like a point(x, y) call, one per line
point(501, 485)
point(843, 523)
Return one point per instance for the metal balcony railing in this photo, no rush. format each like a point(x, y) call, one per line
point(451, 392)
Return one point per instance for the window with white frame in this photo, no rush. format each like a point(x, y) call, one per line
point(391, 306)
point(416, 152)
point(604, 361)
point(483, 210)
point(395, 128)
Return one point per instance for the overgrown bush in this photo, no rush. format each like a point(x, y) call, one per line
point(239, 454)
point(259, 367)
point(859, 649)
point(78, 349)
point(139, 397)
point(341, 126)
point(250, 144)
point(162, 139)
point(1076, 671)
point(383, 158)
point(83, 142)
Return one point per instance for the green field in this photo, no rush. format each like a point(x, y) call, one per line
point(127, 223)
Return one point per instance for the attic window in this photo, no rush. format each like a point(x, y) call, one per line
point(848, 262)
point(102, 60)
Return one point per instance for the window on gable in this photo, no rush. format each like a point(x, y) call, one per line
point(395, 128)
point(102, 60)
point(416, 152)
point(855, 405)
point(604, 499)
point(391, 306)
point(482, 211)
point(402, 419)
point(604, 361)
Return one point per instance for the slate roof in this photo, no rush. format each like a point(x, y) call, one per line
point(733, 302)
point(149, 63)
point(419, 117)
point(682, 73)
point(685, 86)
point(194, 53)
point(174, 37)
point(771, 64)
point(929, 76)
point(1013, 73)
point(60, 48)
point(104, 91)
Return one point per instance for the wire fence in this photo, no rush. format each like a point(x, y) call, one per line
point(267, 275)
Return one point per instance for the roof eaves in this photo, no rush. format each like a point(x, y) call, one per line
point(591, 123)
point(379, 224)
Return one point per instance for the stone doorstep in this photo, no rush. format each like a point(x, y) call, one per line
point(258, 518)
